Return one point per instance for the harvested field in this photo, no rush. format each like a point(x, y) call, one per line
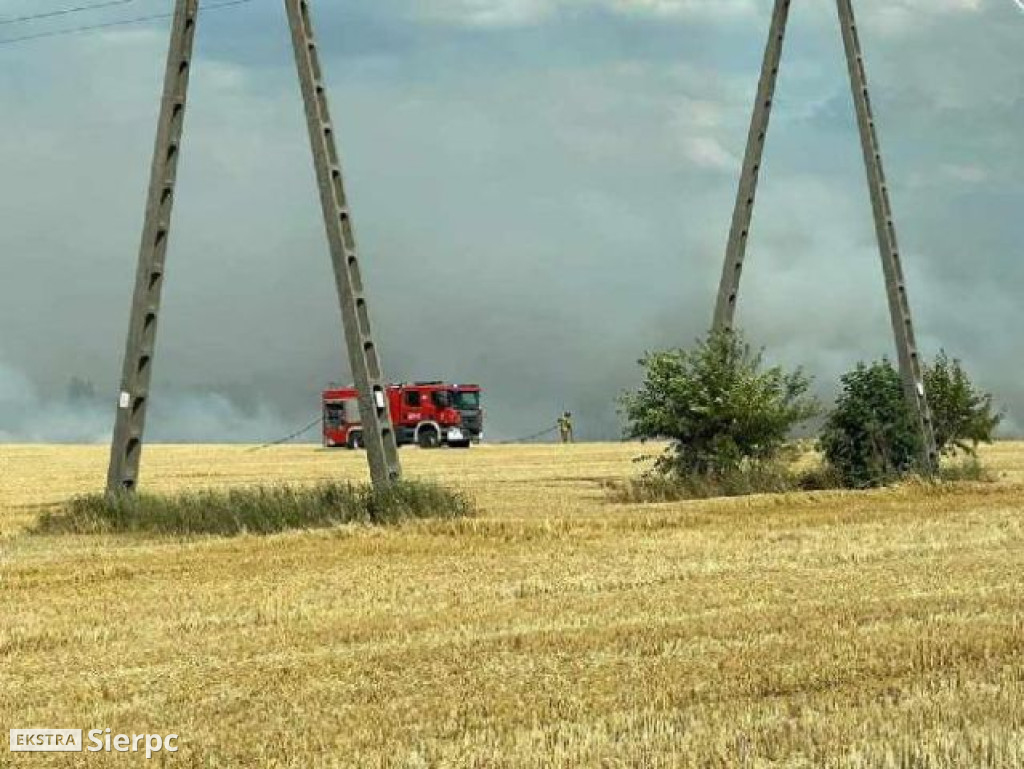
point(554, 629)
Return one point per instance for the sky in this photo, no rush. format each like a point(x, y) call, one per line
point(541, 189)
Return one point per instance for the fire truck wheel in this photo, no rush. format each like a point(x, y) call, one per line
point(428, 438)
point(355, 441)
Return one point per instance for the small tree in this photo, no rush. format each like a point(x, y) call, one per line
point(871, 437)
point(717, 406)
point(964, 417)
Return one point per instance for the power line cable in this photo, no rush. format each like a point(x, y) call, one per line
point(65, 12)
point(118, 23)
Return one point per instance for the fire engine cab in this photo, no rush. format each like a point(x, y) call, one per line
point(427, 414)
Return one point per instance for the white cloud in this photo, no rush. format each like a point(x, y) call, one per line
point(968, 174)
point(489, 13)
point(714, 9)
point(888, 16)
point(516, 13)
point(900, 17)
point(708, 152)
point(697, 126)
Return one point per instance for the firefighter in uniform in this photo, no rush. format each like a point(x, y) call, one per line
point(565, 427)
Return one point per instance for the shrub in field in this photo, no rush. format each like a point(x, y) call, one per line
point(723, 412)
point(964, 417)
point(871, 437)
point(260, 510)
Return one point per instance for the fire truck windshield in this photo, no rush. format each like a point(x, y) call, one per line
point(467, 400)
point(334, 414)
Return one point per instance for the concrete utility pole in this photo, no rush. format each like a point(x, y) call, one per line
point(896, 286)
point(736, 251)
point(378, 431)
point(899, 307)
point(126, 449)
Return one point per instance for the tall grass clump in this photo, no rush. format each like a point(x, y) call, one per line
point(968, 470)
point(773, 477)
point(259, 510)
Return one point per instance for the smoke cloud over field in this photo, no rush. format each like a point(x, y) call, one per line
point(542, 191)
point(80, 416)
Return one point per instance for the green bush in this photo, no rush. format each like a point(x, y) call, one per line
point(260, 510)
point(718, 406)
point(872, 438)
point(964, 417)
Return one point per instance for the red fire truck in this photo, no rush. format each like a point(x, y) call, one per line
point(427, 414)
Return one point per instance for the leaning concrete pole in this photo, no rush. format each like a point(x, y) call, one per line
point(899, 305)
point(736, 251)
point(126, 449)
point(378, 430)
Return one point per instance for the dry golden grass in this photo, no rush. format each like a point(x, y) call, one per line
point(883, 629)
